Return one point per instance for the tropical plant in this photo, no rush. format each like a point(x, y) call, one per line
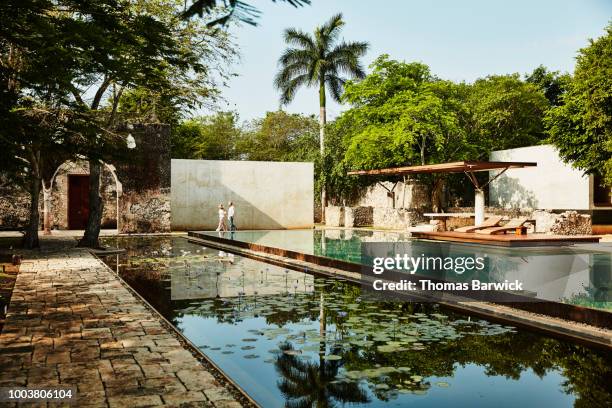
point(319, 60)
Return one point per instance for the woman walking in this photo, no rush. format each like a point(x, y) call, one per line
point(222, 216)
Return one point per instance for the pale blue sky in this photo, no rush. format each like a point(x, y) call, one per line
point(460, 40)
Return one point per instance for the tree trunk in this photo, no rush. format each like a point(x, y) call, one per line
point(322, 123)
point(436, 195)
point(30, 239)
point(92, 230)
point(46, 210)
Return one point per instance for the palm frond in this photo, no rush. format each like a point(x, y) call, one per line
point(296, 56)
point(331, 29)
point(335, 84)
point(293, 36)
point(289, 88)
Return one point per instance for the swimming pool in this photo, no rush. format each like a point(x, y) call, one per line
point(573, 274)
point(292, 339)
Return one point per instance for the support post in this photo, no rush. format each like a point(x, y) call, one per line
point(479, 206)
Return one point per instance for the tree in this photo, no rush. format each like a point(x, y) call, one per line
point(209, 138)
point(581, 127)
point(403, 115)
point(507, 112)
point(319, 60)
point(147, 47)
point(553, 84)
point(281, 136)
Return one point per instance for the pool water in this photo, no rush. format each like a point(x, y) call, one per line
point(575, 274)
point(290, 339)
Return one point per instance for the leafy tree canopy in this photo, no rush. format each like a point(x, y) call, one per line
point(507, 112)
point(581, 127)
point(402, 115)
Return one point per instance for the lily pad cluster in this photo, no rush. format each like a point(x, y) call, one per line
point(352, 327)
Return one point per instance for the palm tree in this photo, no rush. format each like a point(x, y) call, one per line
point(319, 60)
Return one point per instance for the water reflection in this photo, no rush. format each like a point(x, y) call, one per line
point(325, 345)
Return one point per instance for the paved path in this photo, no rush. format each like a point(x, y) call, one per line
point(71, 322)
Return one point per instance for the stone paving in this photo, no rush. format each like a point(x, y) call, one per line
point(72, 323)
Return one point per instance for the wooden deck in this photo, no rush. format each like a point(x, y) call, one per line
point(508, 240)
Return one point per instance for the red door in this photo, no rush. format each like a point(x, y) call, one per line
point(78, 201)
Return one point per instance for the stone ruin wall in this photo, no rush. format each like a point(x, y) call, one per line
point(144, 206)
point(144, 184)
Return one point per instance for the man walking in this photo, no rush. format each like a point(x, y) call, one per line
point(230, 215)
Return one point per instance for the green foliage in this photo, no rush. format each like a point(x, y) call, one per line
point(281, 136)
point(507, 112)
point(211, 138)
point(553, 84)
point(581, 127)
point(403, 115)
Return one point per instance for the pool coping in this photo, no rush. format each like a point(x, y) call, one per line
point(187, 344)
point(568, 329)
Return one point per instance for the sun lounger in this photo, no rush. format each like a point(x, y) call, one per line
point(488, 223)
point(516, 224)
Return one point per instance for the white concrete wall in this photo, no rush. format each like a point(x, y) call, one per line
point(267, 195)
point(552, 185)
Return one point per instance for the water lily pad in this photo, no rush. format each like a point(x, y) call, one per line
point(249, 339)
point(247, 347)
point(443, 384)
point(250, 356)
point(332, 357)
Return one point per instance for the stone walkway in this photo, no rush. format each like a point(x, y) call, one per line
point(72, 323)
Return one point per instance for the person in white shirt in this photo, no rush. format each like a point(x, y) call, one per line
point(230, 215)
point(222, 226)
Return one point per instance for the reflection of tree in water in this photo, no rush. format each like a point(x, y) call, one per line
point(308, 384)
point(586, 371)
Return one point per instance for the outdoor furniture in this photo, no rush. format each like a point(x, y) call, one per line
point(488, 223)
point(443, 217)
point(516, 224)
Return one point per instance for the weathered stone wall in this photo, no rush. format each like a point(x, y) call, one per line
point(409, 195)
point(144, 205)
point(358, 216)
point(566, 223)
point(59, 194)
point(396, 218)
point(14, 208)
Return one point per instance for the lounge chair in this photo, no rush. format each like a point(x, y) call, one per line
point(488, 223)
point(516, 224)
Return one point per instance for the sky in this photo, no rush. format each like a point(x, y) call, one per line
point(460, 40)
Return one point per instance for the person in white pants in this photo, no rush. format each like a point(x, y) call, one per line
point(222, 215)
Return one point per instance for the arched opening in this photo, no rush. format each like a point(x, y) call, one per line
point(66, 196)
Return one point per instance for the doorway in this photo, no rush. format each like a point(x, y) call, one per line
point(78, 201)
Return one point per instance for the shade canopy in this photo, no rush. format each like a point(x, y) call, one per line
point(466, 167)
point(452, 167)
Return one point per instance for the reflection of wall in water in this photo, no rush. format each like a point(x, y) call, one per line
point(230, 276)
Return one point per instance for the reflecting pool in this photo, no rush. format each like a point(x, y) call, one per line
point(575, 274)
point(291, 339)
